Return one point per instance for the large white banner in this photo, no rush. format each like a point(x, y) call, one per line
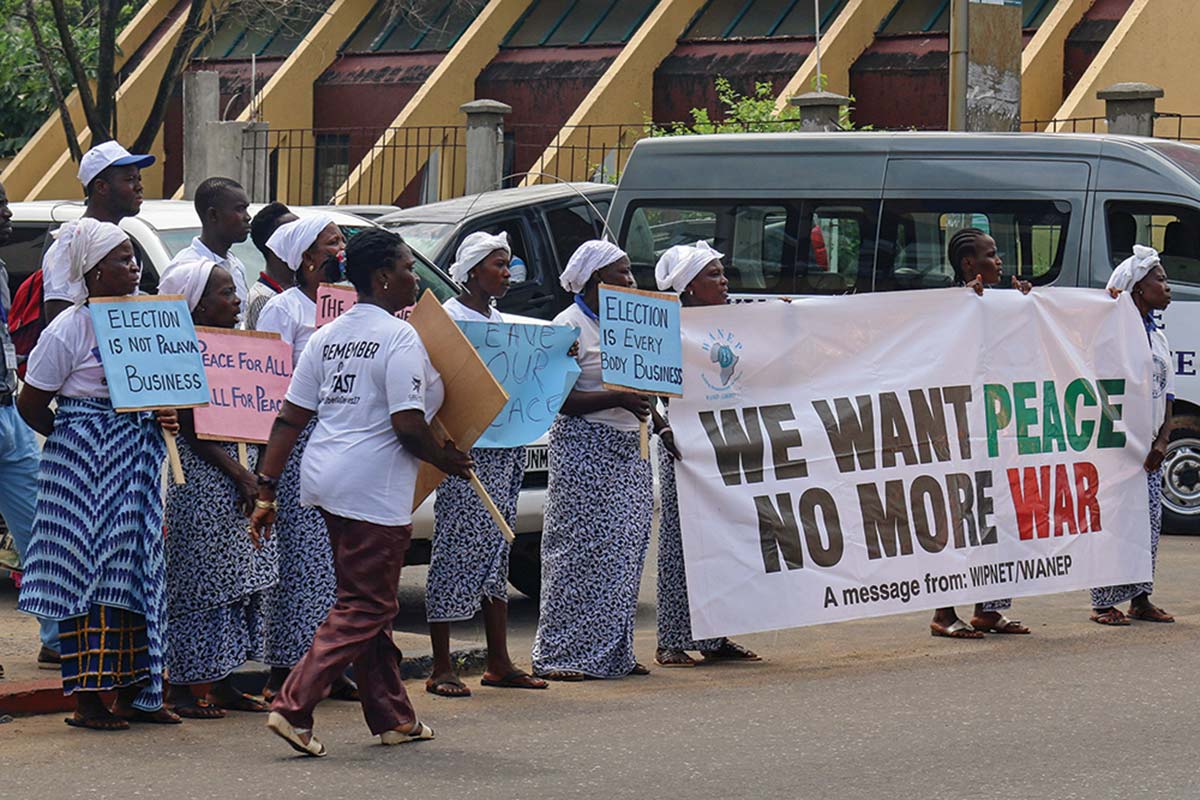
point(847, 457)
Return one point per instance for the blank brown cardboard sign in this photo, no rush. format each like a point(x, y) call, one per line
point(473, 396)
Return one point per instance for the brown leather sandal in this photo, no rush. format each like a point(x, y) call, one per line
point(1109, 616)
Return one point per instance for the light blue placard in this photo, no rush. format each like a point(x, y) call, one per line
point(149, 351)
point(639, 341)
point(531, 363)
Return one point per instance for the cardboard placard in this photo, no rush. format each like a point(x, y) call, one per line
point(531, 363)
point(473, 396)
point(248, 375)
point(333, 300)
point(639, 341)
point(149, 351)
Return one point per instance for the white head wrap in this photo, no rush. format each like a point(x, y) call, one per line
point(85, 242)
point(680, 264)
point(474, 249)
point(291, 239)
point(188, 279)
point(1134, 268)
point(589, 257)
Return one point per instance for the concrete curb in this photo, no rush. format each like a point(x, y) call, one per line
point(24, 698)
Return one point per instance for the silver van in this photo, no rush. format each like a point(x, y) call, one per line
point(801, 214)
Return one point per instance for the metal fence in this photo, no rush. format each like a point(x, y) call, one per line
point(1167, 125)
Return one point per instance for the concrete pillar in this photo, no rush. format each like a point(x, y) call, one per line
point(485, 143)
point(1129, 108)
point(820, 111)
point(201, 105)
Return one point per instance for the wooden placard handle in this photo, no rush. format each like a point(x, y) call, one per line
point(243, 455)
point(481, 490)
point(644, 439)
point(173, 457)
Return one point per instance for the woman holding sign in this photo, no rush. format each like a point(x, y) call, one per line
point(367, 381)
point(468, 568)
point(95, 560)
point(599, 500)
point(977, 264)
point(216, 576)
point(696, 272)
point(298, 603)
point(1144, 279)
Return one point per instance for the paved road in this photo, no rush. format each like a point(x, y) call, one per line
point(874, 708)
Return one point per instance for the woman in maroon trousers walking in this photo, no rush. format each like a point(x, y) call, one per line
point(368, 380)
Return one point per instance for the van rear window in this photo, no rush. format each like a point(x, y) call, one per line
point(1030, 238)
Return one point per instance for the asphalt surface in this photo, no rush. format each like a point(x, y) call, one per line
point(867, 709)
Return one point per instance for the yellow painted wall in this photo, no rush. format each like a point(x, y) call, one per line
point(850, 33)
point(625, 91)
point(1042, 60)
point(43, 150)
point(286, 101)
point(389, 167)
point(1152, 44)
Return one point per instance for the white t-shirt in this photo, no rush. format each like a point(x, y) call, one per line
point(66, 359)
point(590, 379)
point(355, 373)
point(1163, 378)
point(198, 250)
point(293, 316)
point(460, 312)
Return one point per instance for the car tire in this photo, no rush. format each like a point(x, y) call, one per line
point(525, 565)
point(1181, 477)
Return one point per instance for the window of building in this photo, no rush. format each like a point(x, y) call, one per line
point(332, 165)
point(933, 16)
point(1174, 231)
point(428, 25)
point(240, 37)
point(1030, 239)
point(574, 22)
point(739, 19)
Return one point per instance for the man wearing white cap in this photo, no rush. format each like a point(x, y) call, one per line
point(112, 182)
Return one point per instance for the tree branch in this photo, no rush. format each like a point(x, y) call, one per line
point(39, 45)
point(106, 92)
point(98, 126)
point(175, 67)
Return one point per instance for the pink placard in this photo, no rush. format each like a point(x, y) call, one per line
point(332, 301)
point(248, 375)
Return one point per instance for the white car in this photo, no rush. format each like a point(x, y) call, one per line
point(164, 227)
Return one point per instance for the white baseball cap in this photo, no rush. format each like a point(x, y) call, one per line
point(105, 155)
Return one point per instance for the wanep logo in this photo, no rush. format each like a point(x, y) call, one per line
point(724, 351)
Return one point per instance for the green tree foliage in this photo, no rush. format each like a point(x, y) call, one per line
point(29, 98)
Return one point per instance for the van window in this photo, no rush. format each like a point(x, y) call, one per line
point(758, 241)
point(1174, 231)
point(570, 227)
point(1030, 238)
point(837, 247)
point(22, 253)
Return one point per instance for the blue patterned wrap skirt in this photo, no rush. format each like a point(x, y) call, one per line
point(599, 504)
point(98, 536)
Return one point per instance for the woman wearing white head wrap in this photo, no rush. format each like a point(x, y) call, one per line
point(599, 499)
point(105, 508)
point(1142, 278)
point(216, 577)
point(468, 565)
point(696, 272)
point(312, 248)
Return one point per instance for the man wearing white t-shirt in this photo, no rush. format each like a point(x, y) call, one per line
point(224, 221)
point(112, 182)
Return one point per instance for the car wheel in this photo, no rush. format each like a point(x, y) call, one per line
point(525, 564)
point(1181, 478)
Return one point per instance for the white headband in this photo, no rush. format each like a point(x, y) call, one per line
point(291, 239)
point(589, 257)
point(85, 242)
point(188, 279)
point(474, 249)
point(1134, 268)
point(680, 264)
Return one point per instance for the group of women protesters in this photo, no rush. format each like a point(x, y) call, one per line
point(308, 586)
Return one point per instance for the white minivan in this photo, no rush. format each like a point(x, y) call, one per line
point(164, 227)
point(836, 213)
